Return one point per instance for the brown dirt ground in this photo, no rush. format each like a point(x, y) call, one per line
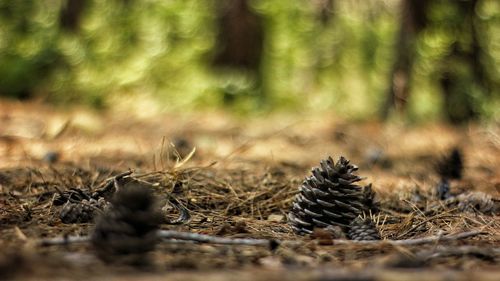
point(240, 183)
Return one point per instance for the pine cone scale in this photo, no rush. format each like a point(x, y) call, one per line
point(313, 214)
point(333, 215)
point(303, 199)
point(346, 182)
point(321, 223)
point(320, 193)
point(325, 204)
point(296, 219)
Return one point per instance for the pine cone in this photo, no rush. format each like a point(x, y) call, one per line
point(83, 211)
point(72, 194)
point(330, 197)
point(451, 166)
point(475, 202)
point(127, 231)
point(363, 229)
point(369, 199)
point(443, 189)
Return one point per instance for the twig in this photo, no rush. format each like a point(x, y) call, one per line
point(202, 238)
point(170, 235)
point(486, 253)
point(416, 241)
point(65, 240)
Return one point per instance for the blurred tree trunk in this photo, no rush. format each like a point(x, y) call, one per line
point(463, 69)
point(240, 40)
point(413, 21)
point(463, 75)
point(324, 10)
point(71, 13)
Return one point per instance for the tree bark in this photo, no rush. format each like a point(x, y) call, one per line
point(240, 44)
point(413, 21)
point(240, 36)
point(70, 15)
point(458, 104)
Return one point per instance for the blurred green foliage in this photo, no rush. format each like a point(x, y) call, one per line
point(162, 49)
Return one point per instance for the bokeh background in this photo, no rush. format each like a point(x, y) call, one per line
point(417, 59)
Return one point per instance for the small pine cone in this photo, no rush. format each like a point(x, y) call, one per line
point(443, 189)
point(363, 229)
point(72, 194)
point(368, 199)
point(82, 212)
point(451, 166)
point(330, 197)
point(126, 232)
point(475, 202)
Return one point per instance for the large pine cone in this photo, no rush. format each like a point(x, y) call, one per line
point(363, 229)
point(448, 167)
point(330, 197)
point(451, 166)
point(127, 230)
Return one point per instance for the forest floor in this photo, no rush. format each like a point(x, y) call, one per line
point(240, 182)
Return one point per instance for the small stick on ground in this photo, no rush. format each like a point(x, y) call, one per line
point(416, 241)
point(65, 240)
point(483, 252)
point(167, 235)
point(202, 238)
